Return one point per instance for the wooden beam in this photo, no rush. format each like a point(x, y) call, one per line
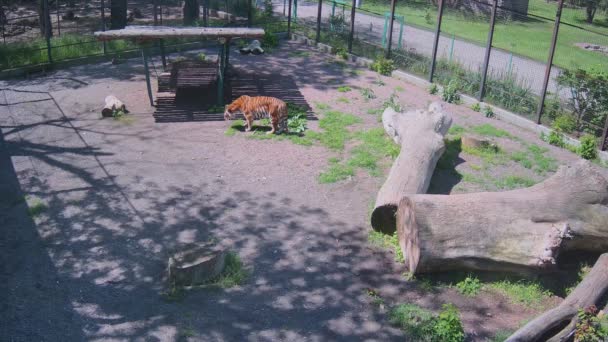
point(159, 32)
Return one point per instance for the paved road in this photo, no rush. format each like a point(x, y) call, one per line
point(370, 27)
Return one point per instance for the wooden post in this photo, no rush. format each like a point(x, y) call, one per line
point(543, 94)
point(486, 61)
point(352, 26)
point(436, 42)
point(319, 9)
point(147, 71)
point(390, 29)
point(222, 72)
point(289, 20)
point(58, 19)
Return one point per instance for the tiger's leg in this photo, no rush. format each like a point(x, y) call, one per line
point(248, 120)
point(275, 124)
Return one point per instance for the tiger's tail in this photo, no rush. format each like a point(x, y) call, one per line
point(283, 124)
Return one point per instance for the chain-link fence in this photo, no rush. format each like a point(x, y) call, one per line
point(494, 50)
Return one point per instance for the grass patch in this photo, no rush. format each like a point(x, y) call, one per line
point(235, 127)
point(343, 99)
point(322, 106)
point(336, 173)
point(334, 134)
point(490, 131)
point(522, 158)
point(399, 88)
point(542, 163)
point(422, 325)
point(491, 154)
point(344, 89)
point(522, 292)
point(301, 54)
point(375, 297)
point(36, 207)
point(514, 182)
point(501, 335)
point(456, 130)
point(390, 242)
point(234, 273)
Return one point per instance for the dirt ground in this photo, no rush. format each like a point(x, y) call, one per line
point(119, 196)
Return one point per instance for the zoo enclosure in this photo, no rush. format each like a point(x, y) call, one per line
point(497, 51)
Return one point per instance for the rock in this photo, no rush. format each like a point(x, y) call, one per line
point(196, 264)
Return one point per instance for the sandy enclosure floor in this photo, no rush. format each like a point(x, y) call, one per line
point(121, 195)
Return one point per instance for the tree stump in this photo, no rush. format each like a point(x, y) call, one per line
point(420, 134)
point(196, 264)
point(112, 104)
point(517, 230)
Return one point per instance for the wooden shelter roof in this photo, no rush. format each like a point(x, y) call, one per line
point(160, 32)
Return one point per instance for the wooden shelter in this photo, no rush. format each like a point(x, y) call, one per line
point(144, 34)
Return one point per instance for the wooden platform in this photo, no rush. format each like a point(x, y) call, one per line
point(172, 108)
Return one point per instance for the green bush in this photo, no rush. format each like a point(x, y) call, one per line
point(342, 53)
point(588, 148)
point(488, 112)
point(556, 138)
point(476, 107)
point(433, 89)
point(270, 40)
point(565, 123)
point(470, 286)
point(590, 327)
point(423, 325)
point(296, 118)
point(383, 66)
point(448, 327)
point(450, 92)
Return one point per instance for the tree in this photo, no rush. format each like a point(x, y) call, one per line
point(191, 11)
point(589, 94)
point(118, 14)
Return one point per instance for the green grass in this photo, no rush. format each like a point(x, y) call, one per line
point(491, 155)
point(390, 242)
point(343, 99)
point(234, 273)
point(322, 106)
point(542, 163)
point(334, 134)
point(375, 297)
point(521, 292)
point(501, 335)
point(490, 131)
point(36, 207)
point(456, 130)
point(417, 322)
point(399, 88)
point(344, 89)
point(336, 173)
point(234, 127)
point(299, 54)
point(514, 182)
point(531, 38)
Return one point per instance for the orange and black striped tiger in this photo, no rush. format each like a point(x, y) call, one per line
point(259, 107)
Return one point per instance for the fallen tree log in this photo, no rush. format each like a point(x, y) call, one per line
point(589, 292)
point(112, 104)
point(420, 134)
point(515, 230)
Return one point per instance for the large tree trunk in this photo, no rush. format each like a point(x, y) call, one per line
point(420, 134)
point(589, 292)
point(515, 230)
point(191, 11)
point(118, 14)
point(591, 9)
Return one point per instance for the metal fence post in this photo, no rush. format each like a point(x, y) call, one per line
point(289, 20)
point(249, 13)
point(436, 42)
point(604, 145)
point(58, 20)
point(47, 29)
point(486, 60)
point(103, 23)
point(319, 8)
point(390, 29)
point(352, 26)
point(543, 94)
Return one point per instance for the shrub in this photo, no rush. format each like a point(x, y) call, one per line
point(590, 327)
point(476, 107)
point(556, 138)
point(588, 148)
point(588, 95)
point(344, 89)
point(383, 66)
point(296, 121)
point(488, 112)
point(565, 123)
point(448, 327)
point(201, 57)
point(270, 40)
point(393, 102)
point(268, 10)
point(450, 92)
point(342, 53)
point(433, 89)
point(368, 94)
point(470, 286)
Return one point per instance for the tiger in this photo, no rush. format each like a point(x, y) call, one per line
point(259, 107)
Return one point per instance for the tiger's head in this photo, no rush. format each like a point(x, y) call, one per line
point(234, 107)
